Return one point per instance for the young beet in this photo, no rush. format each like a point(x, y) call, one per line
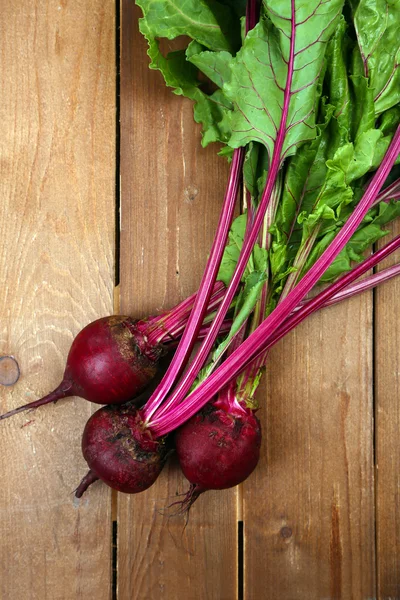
point(120, 451)
point(219, 447)
point(109, 362)
point(113, 359)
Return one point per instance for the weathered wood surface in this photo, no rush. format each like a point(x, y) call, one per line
point(57, 165)
point(387, 422)
point(309, 508)
point(316, 524)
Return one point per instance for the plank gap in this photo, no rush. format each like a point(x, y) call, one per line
point(240, 561)
point(374, 423)
point(117, 141)
point(374, 359)
point(114, 580)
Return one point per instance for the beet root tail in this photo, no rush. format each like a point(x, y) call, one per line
point(62, 391)
point(184, 506)
point(89, 478)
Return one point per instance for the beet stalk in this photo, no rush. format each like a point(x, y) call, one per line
point(113, 359)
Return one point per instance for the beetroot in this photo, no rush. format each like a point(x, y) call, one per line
point(110, 362)
point(217, 449)
point(121, 451)
point(114, 359)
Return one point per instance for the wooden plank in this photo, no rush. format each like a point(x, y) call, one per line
point(171, 195)
point(309, 507)
point(57, 76)
point(387, 419)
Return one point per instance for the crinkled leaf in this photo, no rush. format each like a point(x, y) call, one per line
point(208, 22)
point(215, 65)
point(337, 80)
point(377, 24)
point(212, 112)
point(259, 82)
point(351, 161)
point(384, 213)
point(258, 259)
point(388, 125)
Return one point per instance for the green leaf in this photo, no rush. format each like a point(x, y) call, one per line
point(362, 98)
point(255, 169)
point(350, 162)
point(247, 299)
point(369, 232)
point(246, 302)
point(384, 213)
point(199, 20)
point(305, 175)
point(260, 74)
point(377, 27)
point(388, 125)
point(336, 79)
point(208, 22)
point(258, 260)
point(232, 249)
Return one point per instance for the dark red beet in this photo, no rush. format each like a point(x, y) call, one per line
point(110, 362)
point(217, 450)
point(121, 451)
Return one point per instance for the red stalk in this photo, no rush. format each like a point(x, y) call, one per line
point(171, 324)
point(189, 377)
point(257, 341)
point(190, 334)
point(391, 192)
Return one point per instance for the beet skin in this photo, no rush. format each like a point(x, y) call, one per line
point(120, 450)
point(218, 450)
point(109, 362)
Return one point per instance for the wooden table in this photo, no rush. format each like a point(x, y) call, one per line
point(318, 520)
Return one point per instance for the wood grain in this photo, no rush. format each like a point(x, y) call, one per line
point(57, 151)
point(172, 191)
point(387, 419)
point(309, 507)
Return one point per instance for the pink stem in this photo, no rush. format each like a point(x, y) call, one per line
point(190, 334)
point(195, 320)
point(177, 320)
point(391, 192)
point(365, 284)
point(257, 340)
point(181, 310)
point(189, 377)
point(331, 295)
point(348, 292)
point(174, 336)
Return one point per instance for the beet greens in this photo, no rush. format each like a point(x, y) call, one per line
point(287, 108)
